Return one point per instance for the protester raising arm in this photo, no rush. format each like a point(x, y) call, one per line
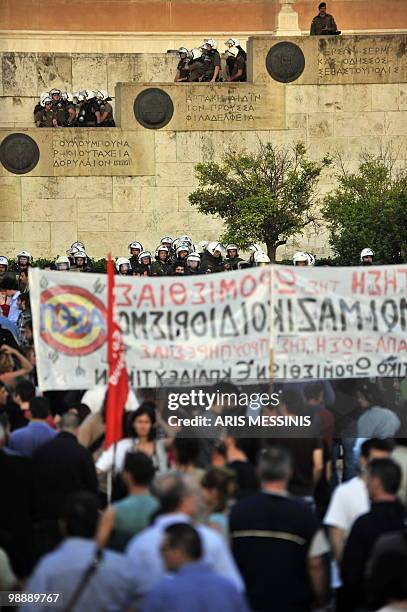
point(25, 366)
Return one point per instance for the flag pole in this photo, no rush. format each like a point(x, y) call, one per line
point(118, 383)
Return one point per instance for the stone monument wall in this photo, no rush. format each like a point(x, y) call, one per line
point(109, 187)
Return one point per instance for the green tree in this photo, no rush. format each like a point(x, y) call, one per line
point(266, 196)
point(368, 209)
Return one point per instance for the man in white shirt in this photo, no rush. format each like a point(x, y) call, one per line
point(178, 499)
point(350, 500)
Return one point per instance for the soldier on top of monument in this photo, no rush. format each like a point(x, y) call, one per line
point(46, 117)
point(182, 73)
point(236, 68)
point(323, 23)
point(212, 61)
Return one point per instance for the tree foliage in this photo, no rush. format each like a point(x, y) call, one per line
point(368, 209)
point(267, 196)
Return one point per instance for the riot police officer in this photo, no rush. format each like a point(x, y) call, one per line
point(212, 61)
point(182, 73)
point(46, 117)
point(104, 110)
point(58, 106)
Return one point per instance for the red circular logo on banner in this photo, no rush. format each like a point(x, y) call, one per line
point(72, 320)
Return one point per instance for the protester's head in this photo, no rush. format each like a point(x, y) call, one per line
point(179, 270)
point(314, 394)
point(375, 448)
point(219, 454)
point(23, 278)
point(186, 450)
point(367, 394)
point(138, 470)
point(142, 422)
point(6, 363)
point(275, 467)
point(81, 410)
point(69, 423)
point(176, 493)
point(27, 332)
point(23, 301)
point(292, 403)
point(39, 408)
point(24, 392)
point(3, 394)
point(181, 544)
point(219, 487)
point(10, 286)
point(80, 515)
point(383, 479)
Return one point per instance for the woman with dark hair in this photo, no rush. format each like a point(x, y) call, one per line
point(139, 431)
point(219, 489)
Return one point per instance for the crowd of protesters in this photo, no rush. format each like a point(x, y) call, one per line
point(163, 522)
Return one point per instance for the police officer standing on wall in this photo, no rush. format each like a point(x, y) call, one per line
point(46, 117)
point(182, 73)
point(104, 110)
point(236, 67)
point(58, 106)
point(323, 23)
point(212, 61)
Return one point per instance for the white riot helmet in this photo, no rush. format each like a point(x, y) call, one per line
point(366, 253)
point(201, 246)
point(233, 52)
point(183, 247)
point(54, 92)
point(135, 245)
point(231, 247)
point(44, 94)
point(194, 258)
point(3, 261)
point(186, 239)
point(143, 255)
point(102, 94)
point(80, 255)
point(232, 42)
point(89, 93)
point(300, 257)
point(214, 246)
point(122, 261)
point(167, 240)
point(25, 254)
point(81, 97)
point(183, 50)
point(62, 263)
point(162, 248)
point(47, 100)
point(196, 53)
point(261, 259)
point(211, 42)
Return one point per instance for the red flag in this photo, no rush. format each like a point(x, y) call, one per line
point(118, 386)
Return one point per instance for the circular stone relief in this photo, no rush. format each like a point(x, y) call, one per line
point(285, 62)
point(153, 108)
point(19, 153)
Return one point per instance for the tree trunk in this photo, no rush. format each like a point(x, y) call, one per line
point(272, 248)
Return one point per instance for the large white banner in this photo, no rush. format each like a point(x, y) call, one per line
point(177, 330)
point(339, 322)
point(319, 322)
